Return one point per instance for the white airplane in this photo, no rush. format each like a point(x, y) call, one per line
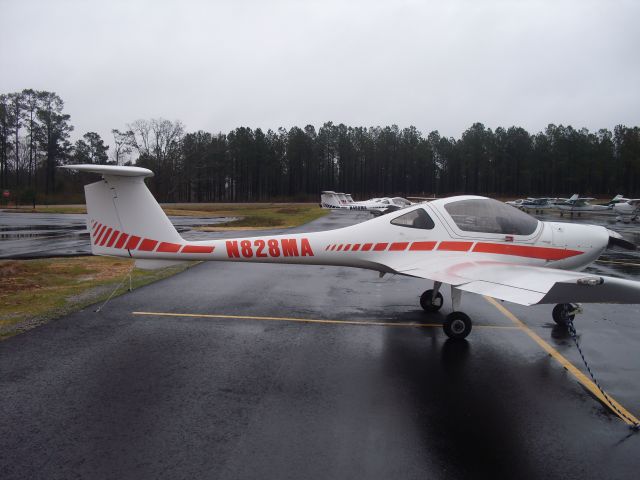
point(531, 203)
point(628, 209)
point(581, 204)
point(376, 206)
point(617, 199)
point(474, 244)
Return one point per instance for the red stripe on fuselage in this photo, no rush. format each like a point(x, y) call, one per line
point(422, 246)
point(166, 247)
point(455, 246)
point(398, 246)
point(543, 253)
point(197, 249)
point(379, 247)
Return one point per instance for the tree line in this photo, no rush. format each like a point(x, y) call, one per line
point(296, 164)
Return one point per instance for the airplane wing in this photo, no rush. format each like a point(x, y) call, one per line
point(524, 284)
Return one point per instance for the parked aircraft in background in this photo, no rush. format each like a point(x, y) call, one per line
point(531, 203)
point(581, 204)
point(617, 199)
point(628, 210)
point(376, 206)
point(474, 244)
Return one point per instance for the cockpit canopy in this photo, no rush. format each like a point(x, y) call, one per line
point(400, 202)
point(486, 215)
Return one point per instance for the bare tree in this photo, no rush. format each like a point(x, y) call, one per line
point(122, 148)
point(158, 143)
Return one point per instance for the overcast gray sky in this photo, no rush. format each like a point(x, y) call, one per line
point(217, 65)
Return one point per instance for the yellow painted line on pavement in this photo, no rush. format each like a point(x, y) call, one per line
point(310, 320)
point(581, 377)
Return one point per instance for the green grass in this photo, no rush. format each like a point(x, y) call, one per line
point(254, 215)
point(36, 291)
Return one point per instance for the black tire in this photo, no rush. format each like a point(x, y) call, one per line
point(457, 325)
point(427, 305)
point(561, 315)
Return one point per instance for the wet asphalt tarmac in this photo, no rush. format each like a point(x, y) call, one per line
point(118, 395)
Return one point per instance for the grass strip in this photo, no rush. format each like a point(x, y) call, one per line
point(33, 292)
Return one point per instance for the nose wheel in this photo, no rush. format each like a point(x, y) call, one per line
point(563, 313)
point(457, 325)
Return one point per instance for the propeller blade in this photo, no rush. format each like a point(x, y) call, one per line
point(617, 240)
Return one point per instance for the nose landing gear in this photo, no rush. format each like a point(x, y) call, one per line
point(563, 313)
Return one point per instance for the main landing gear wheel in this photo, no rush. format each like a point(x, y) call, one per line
point(457, 325)
point(430, 305)
point(562, 314)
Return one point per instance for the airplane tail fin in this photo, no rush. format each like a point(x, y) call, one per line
point(122, 214)
point(574, 197)
point(329, 199)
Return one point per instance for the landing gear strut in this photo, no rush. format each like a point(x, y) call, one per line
point(563, 313)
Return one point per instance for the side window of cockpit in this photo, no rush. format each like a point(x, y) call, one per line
point(417, 218)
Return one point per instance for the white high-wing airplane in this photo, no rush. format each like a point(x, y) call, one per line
point(581, 204)
point(531, 203)
point(628, 209)
point(474, 244)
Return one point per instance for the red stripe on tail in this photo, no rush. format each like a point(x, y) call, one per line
point(112, 240)
point(100, 232)
point(147, 245)
point(121, 240)
point(106, 236)
point(132, 243)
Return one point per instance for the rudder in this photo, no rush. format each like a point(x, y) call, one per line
point(123, 216)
